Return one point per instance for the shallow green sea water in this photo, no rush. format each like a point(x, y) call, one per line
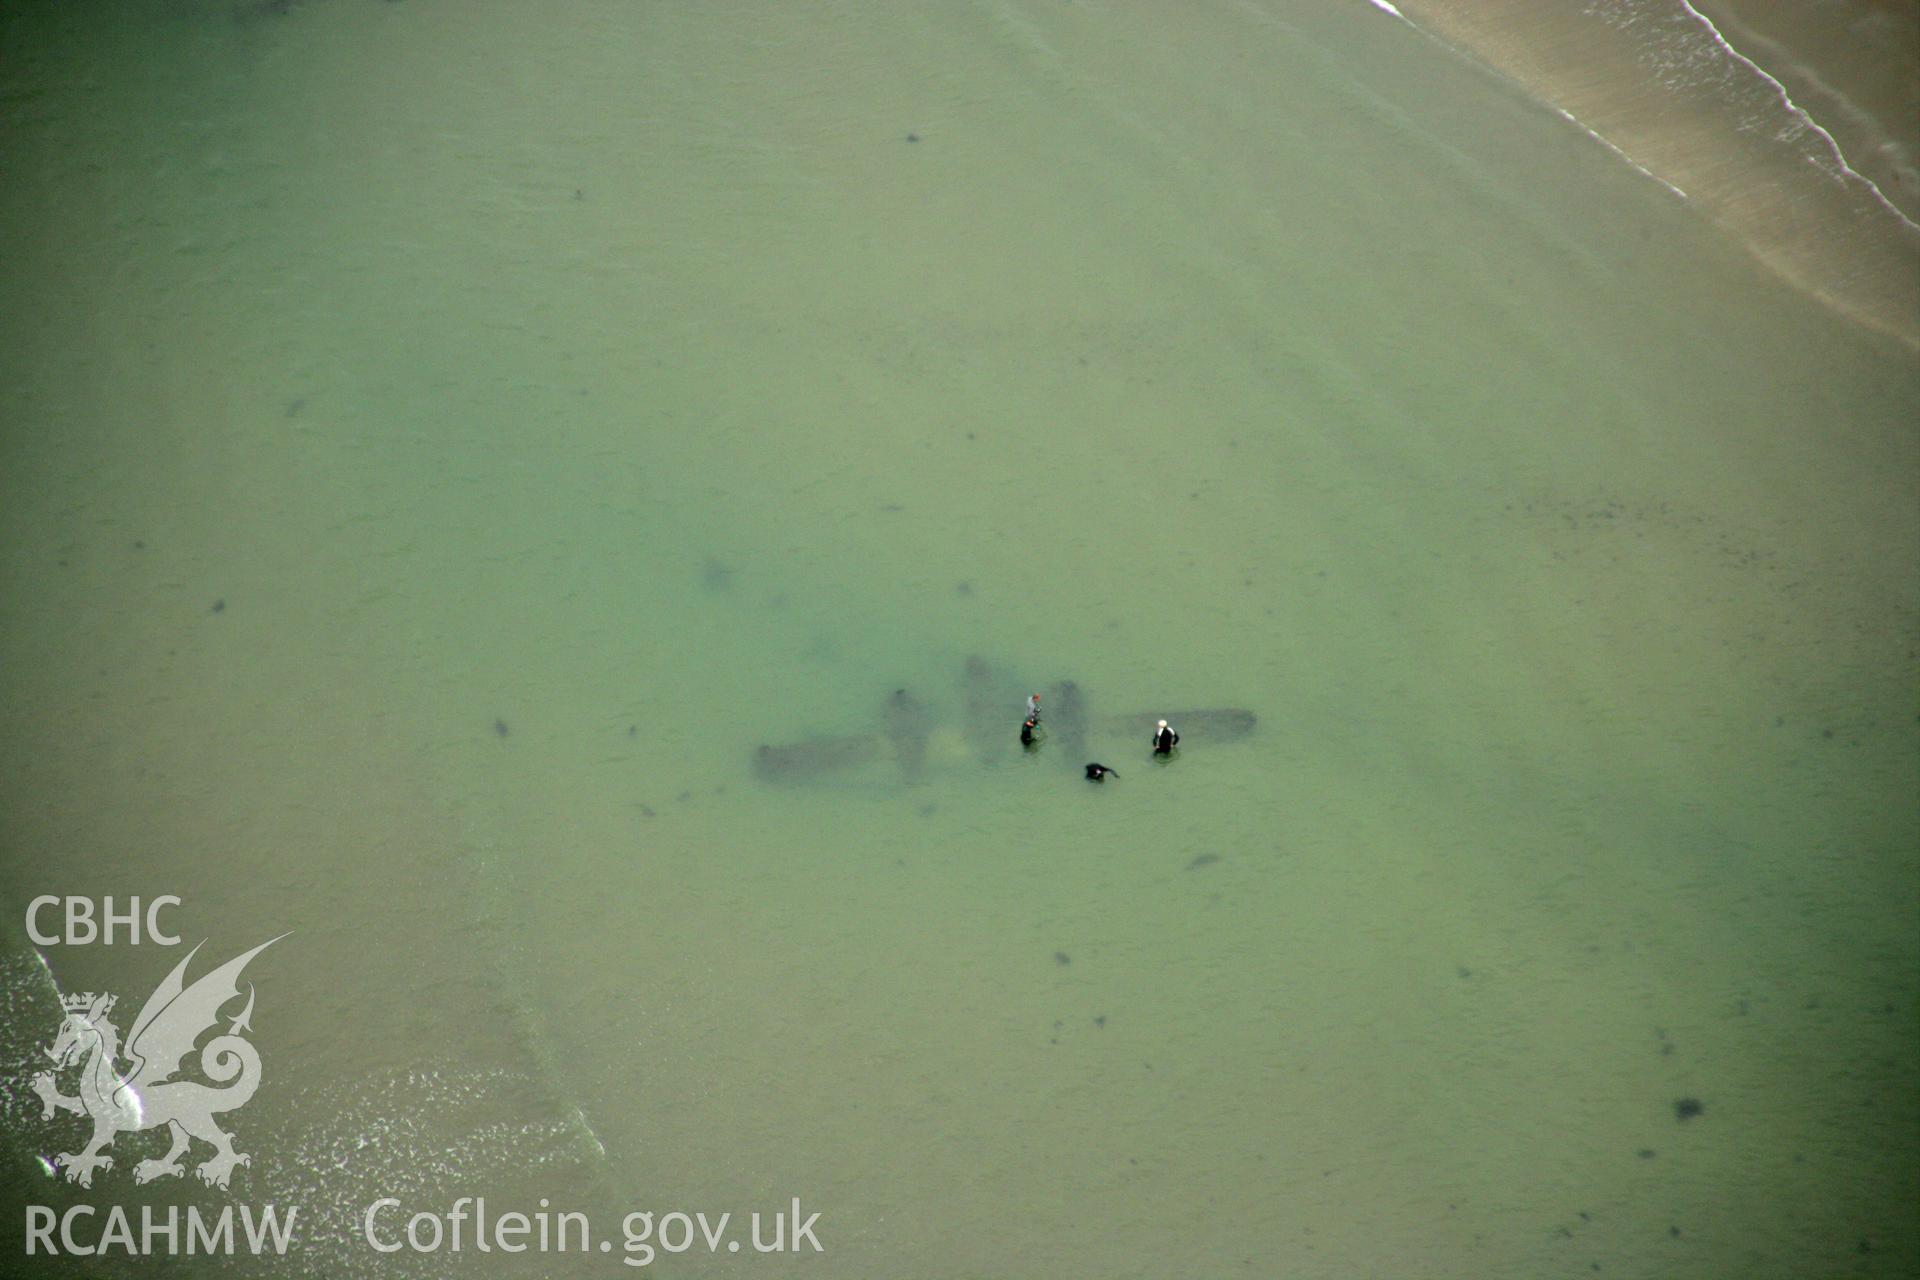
point(443, 443)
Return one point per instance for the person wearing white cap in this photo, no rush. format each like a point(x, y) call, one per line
point(1164, 740)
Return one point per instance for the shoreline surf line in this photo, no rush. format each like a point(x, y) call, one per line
point(1612, 73)
point(1803, 115)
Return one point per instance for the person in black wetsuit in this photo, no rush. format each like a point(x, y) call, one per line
point(1099, 772)
point(1164, 740)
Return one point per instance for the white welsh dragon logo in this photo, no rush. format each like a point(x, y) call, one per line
point(144, 1094)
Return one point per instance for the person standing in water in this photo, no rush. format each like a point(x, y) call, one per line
point(1032, 722)
point(1164, 740)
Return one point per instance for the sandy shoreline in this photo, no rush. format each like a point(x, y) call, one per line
point(1854, 67)
point(1792, 131)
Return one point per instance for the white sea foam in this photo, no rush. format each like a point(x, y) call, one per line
point(1568, 115)
point(1799, 113)
point(1575, 121)
point(423, 1133)
point(581, 1116)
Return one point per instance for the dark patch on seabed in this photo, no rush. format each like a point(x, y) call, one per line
point(993, 708)
point(255, 10)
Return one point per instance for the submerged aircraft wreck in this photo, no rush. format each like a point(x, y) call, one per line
point(911, 740)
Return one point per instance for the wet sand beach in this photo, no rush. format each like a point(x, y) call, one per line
point(1794, 127)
